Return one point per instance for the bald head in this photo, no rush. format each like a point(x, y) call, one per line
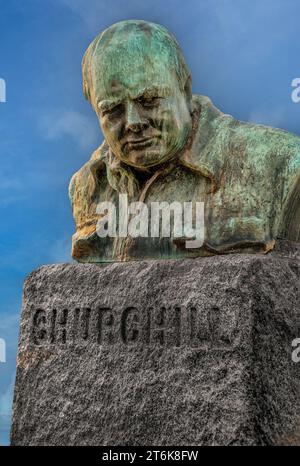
point(133, 44)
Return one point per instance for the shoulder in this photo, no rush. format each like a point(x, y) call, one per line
point(264, 144)
point(274, 151)
point(269, 139)
point(248, 132)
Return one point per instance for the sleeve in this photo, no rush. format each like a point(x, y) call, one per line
point(83, 194)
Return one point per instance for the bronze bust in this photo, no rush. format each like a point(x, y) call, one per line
point(164, 145)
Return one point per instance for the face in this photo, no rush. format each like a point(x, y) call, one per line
point(145, 117)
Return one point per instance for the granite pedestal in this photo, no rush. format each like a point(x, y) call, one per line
point(189, 352)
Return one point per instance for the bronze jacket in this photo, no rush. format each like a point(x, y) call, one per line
point(247, 175)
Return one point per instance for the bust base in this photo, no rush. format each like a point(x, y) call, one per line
point(189, 352)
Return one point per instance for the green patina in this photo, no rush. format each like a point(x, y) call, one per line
point(163, 144)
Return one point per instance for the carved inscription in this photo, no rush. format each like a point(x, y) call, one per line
point(163, 326)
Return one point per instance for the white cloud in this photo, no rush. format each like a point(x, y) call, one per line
point(6, 398)
point(9, 325)
point(271, 117)
point(9, 322)
point(79, 127)
point(87, 11)
point(11, 188)
point(47, 250)
point(94, 12)
point(60, 251)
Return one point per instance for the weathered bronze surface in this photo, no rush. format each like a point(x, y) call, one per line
point(164, 144)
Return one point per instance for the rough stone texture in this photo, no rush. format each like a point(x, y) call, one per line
point(213, 368)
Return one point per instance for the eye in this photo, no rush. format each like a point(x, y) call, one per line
point(111, 110)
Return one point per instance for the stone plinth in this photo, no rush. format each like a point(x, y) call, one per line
point(189, 352)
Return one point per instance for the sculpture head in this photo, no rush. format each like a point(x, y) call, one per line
point(138, 83)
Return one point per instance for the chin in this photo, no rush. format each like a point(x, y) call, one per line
point(146, 159)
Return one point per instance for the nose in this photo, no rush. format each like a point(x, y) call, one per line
point(134, 121)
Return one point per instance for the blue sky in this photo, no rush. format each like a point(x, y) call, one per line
point(243, 55)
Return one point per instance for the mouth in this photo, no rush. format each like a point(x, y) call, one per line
point(136, 144)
